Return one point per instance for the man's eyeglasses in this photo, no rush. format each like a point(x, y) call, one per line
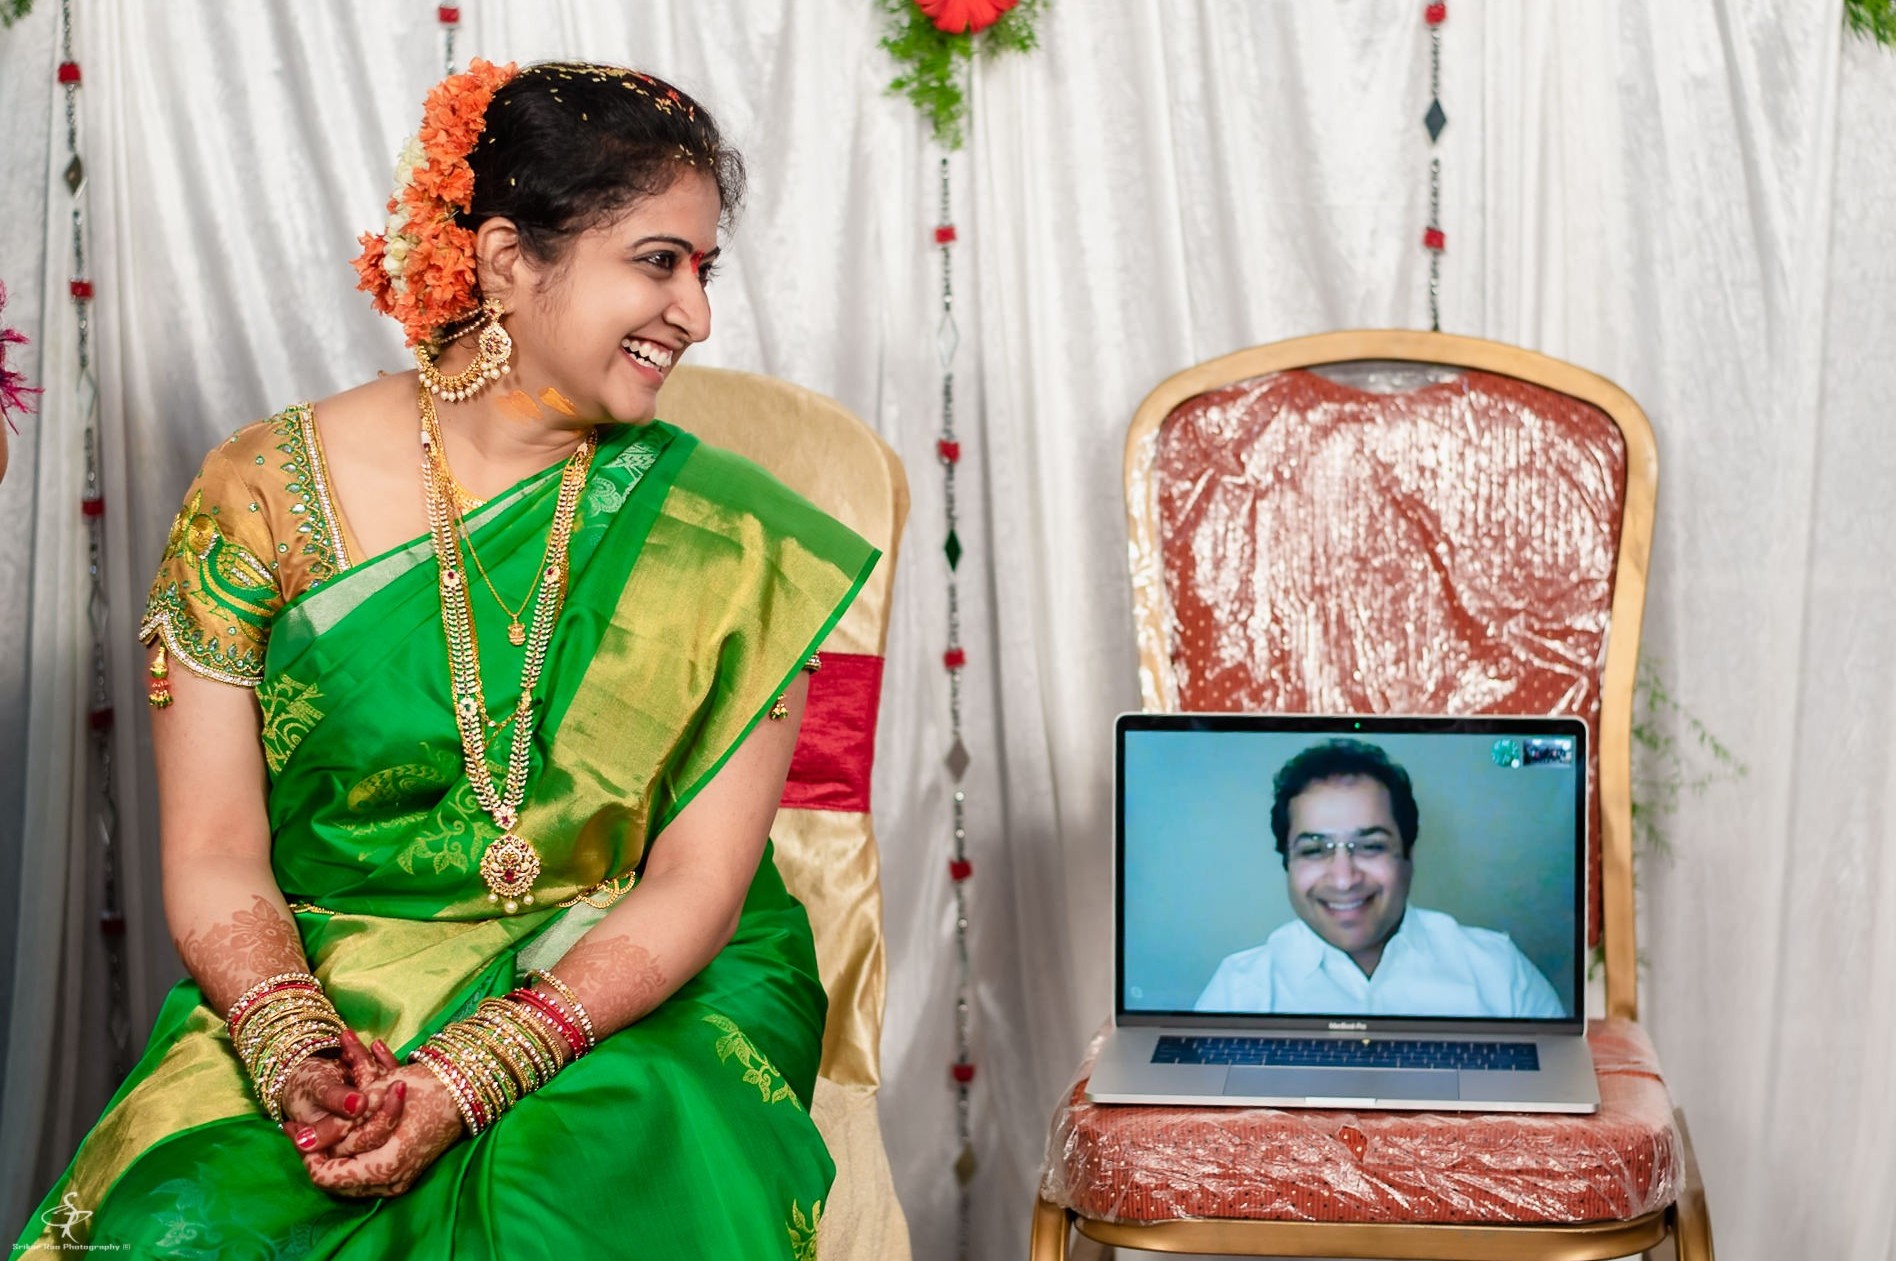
point(1312, 850)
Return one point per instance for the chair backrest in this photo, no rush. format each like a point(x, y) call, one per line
point(1402, 522)
point(826, 846)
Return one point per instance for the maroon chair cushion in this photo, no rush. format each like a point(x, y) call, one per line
point(1142, 1163)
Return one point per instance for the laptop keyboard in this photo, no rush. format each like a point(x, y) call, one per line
point(1520, 1057)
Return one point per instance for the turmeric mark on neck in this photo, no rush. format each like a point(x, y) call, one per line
point(519, 405)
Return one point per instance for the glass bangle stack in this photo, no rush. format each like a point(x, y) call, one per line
point(507, 1049)
point(280, 1022)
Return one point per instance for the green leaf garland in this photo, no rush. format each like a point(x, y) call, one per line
point(934, 63)
point(1874, 19)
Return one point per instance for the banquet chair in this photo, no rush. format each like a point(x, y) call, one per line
point(825, 843)
point(1396, 522)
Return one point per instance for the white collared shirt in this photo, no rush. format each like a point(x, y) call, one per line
point(1432, 966)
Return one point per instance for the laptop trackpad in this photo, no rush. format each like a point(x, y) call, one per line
point(1342, 1083)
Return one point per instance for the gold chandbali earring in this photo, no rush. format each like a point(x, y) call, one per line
point(493, 356)
point(510, 865)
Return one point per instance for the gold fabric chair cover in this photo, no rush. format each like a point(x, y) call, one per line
point(825, 841)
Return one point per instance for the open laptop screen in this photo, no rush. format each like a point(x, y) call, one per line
point(1387, 867)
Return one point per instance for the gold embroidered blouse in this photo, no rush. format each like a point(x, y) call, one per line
point(258, 529)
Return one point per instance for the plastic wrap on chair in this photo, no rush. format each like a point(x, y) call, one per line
point(1371, 544)
point(1144, 1163)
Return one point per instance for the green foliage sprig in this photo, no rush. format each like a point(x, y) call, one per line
point(1667, 768)
point(1874, 19)
point(12, 11)
point(934, 63)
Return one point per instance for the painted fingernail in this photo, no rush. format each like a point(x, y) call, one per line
point(352, 1103)
point(401, 1090)
point(306, 1140)
point(380, 1045)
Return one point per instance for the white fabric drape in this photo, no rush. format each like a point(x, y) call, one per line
point(1691, 197)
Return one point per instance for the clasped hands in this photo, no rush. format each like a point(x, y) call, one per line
point(366, 1124)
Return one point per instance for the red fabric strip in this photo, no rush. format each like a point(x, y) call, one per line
point(836, 749)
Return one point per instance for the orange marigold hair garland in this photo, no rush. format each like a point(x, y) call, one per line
point(420, 267)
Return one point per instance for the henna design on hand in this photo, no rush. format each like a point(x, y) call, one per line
point(318, 1094)
point(429, 1125)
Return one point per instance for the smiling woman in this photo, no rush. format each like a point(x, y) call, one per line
point(425, 1000)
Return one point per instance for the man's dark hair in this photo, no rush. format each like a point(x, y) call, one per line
point(1342, 759)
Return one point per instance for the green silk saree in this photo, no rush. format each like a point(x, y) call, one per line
point(698, 588)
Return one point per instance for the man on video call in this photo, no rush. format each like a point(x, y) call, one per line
point(1345, 820)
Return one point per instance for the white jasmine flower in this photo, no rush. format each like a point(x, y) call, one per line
point(412, 156)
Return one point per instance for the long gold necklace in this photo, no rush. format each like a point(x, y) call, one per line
point(511, 864)
point(464, 502)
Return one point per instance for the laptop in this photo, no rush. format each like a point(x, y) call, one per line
point(1350, 912)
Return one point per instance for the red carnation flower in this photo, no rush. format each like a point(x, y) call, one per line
point(957, 16)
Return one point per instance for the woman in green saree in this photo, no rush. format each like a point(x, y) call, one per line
point(489, 687)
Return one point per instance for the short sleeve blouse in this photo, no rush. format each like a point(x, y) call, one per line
point(258, 529)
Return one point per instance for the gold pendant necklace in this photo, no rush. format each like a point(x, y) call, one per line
point(511, 864)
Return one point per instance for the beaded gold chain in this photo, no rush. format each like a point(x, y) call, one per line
point(511, 864)
point(465, 502)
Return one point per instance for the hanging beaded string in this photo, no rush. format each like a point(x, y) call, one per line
point(449, 15)
point(1434, 240)
point(104, 788)
point(955, 659)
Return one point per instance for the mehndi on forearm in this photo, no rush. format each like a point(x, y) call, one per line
point(251, 967)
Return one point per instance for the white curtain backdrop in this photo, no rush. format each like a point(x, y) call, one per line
point(1692, 197)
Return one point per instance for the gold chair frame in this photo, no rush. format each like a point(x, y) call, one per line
point(1685, 1222)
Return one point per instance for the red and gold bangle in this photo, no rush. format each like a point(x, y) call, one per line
point(508, 1024)
point(267, 986)
point(549, 1010)
point(269, 1022)
point(523, 1080)
point(574, 1007)
point(276, 1026)
point(451, 1079)
point(496, 1089)
point(449, 1074)
point(533, 1026)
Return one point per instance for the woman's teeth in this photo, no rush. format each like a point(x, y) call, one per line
point(648, 353)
